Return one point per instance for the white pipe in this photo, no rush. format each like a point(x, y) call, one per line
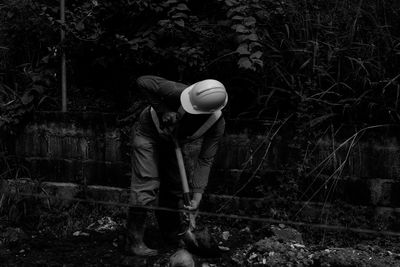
point(63, 60)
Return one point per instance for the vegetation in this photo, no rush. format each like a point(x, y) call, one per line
point(321, 60)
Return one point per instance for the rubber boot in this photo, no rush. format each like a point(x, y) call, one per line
point(135, 232)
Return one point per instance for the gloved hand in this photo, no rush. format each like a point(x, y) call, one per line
point(194, 205)
point(169, 119)
point(195, 202)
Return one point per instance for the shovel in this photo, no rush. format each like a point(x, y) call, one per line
point(198, 242)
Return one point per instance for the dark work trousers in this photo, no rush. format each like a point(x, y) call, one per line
point(155, 173)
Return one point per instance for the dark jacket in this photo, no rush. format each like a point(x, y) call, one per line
point(164, 96)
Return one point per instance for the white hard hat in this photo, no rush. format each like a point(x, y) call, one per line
point(204, 97)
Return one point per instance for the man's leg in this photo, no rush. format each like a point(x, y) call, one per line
point(144, 189)
point(170, 196)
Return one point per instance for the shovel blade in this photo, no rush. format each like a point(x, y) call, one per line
point(201, 243)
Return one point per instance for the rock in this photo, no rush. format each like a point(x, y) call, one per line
point(181, 258)
point(225, 235)
point(287, 234)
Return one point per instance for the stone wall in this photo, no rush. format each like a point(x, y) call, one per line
point(93, 149)
point(86, 148)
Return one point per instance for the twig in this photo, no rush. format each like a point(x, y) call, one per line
point(259, 165)
point(220, 57)
point(260, 145)
point(340, 168)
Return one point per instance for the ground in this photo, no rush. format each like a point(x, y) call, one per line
point(57, 243)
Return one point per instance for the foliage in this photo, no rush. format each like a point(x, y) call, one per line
point(325, 61)
point(333, 59)
point(16, 105)
point(26, 67)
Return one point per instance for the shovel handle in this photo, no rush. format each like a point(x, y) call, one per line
point(186, 199)
point(182, 173)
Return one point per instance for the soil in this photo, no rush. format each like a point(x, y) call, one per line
point(242, 244)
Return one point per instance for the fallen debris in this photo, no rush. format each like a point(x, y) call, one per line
point(12, 237)
point(102, 225)
point(80, 233)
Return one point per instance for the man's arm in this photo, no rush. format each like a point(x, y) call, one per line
point(150, 86)
point(163, 95)
point(205, 160)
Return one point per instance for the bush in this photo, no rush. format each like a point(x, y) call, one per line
point(325, 61)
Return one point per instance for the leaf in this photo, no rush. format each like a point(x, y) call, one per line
point(243, 49)
point(163, 22)
point(26, 98)
point(182, 7)
point(134, 46)
point(254, 45)
point(234, 26)
point(80, 26)
point(230, 2)
point(251, 37)
point(256, 55)
point(244, 62)
point(261, 14)
point(94, 36)
point(237, 10)
point(150, 43)
point(45, 59)
point(237, 17)
point(179, 15)
point(169, 2)
point(180, 23)
point(240, 28)
point(135, 40)
point(224, 23)
point(144, 34)
point(258, 62)
point(249, 21)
